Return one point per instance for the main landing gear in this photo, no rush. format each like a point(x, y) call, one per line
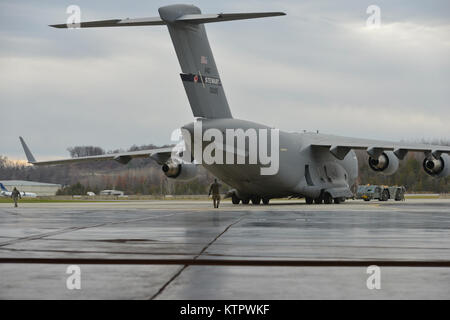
point(256, 200)
point(324, 198)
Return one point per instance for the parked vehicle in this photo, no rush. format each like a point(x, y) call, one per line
point(397, 193)
point(382, 193)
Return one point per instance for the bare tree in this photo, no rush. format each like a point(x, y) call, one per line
point(85, 151)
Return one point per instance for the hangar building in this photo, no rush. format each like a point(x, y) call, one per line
point(40, 188)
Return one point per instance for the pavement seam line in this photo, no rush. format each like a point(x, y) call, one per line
point(234, 262)
point(195, 258)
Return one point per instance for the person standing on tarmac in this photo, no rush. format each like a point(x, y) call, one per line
point(15, 195)
point(214, 190)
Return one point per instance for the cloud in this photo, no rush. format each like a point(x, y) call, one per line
point(316, 68)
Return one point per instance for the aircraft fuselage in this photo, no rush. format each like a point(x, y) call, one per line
point(302, 170)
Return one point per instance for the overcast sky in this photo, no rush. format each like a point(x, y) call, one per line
point(319, 67)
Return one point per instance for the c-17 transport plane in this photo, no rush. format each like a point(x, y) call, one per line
point(319, 167)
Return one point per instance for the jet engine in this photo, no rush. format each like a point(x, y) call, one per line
point(180, 171)
point(437, 167)
point(386, 163)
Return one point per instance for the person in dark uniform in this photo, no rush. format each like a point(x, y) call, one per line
point(15, 195)
point(214, 190)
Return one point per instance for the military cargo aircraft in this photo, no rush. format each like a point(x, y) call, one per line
point(321, 168)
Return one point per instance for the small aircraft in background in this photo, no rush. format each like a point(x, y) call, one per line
point(5, 193)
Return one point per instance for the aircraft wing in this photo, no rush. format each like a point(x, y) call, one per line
point(160, 155)
point(340, 146)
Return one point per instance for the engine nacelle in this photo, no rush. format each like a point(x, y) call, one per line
point(180, 171)
point(386, 163)
point(439, 168)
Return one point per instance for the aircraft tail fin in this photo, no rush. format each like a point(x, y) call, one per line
point(199, 72)
point(2, 187)
point(200, 76)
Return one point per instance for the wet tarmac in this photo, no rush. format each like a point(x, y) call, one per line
point(188, 250)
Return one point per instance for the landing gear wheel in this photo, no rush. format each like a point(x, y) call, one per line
point(265, 201)
point(256, 200)
point(309, 200)
point(327, 198)
point(337, 200)
point(235, 199)
point(318, 200)
point(245, 201)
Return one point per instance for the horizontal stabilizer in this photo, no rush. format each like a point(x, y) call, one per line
point(207, 18)
point(113, 23)
point(157, 21)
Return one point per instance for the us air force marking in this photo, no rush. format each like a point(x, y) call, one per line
point(198, 78)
